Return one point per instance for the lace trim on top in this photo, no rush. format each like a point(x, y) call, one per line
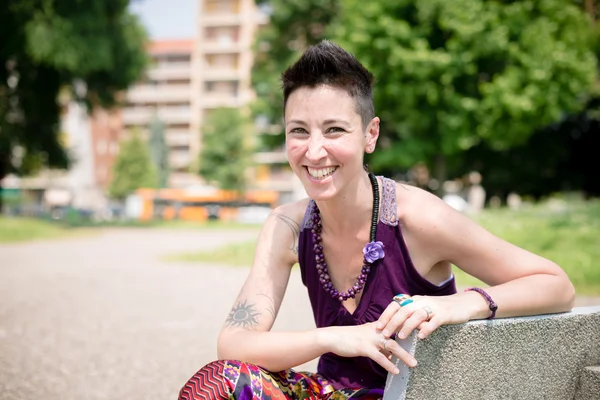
point(389, 212)
point(307, 222)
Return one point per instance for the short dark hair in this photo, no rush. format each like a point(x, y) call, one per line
point(326, 63)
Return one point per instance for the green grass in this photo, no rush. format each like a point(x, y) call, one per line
point(568, 234)
point(21, 229)
point(217, 225)
point(238, 254)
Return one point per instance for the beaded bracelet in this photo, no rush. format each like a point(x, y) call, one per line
point(492, 304)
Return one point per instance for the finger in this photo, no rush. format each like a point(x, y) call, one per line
point(396, 322)
point(417, 318)
point(383, 360)
point(401, 354)
point(428, 327)
point(387, 314)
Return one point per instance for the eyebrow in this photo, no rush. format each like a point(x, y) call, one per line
point(326, 122)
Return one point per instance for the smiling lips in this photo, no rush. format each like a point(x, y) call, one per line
point(320, 173)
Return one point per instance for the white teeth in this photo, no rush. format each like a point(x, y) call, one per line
point(321, 173)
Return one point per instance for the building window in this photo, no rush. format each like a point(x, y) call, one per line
point(222, 6)
point(114, 148)
point(227, 88)
point(101, 147)
point(222, 61)
point(222, 34)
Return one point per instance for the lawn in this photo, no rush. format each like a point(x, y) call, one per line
point(567, 233)
point(21, 229)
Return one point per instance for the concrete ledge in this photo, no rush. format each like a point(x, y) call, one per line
point(541, 357)
point(589, 384)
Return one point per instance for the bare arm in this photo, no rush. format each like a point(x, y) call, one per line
point(246, 333)
point(521, 283)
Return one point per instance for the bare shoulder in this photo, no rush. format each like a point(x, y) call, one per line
point(284, 225)
point(291, 213)
point(417, 207)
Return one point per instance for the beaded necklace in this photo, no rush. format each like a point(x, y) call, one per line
point(372, 251)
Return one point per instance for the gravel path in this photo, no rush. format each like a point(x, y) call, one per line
point(102, 316)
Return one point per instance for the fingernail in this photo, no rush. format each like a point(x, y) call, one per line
point(421, 336)
point(413, 363)
point(386, 333)
point(401, 335)
point(396, 371)
point(379, 325)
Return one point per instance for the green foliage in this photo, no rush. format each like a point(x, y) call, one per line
point(564, 232)
point(132, 169)
point(450, 75)
point(159, 152)
point(453, 74)
point(225, 151)
point(85, 50)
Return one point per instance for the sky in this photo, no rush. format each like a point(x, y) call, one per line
point(167, 19)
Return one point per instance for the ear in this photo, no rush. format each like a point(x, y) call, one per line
point(371, 135)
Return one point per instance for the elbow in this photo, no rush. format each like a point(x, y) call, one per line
point(568, 292)
point(224, 347)
point(570, 295)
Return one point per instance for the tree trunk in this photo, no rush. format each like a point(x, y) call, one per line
point(590, 8)
point(3, 173)
point(440, 172)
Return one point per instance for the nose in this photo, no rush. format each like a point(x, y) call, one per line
point(315, 150)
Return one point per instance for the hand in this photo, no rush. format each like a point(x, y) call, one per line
point(443, 310)
point(366, 341)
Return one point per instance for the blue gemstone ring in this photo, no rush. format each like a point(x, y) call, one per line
point(400, 298)
point(406, 302)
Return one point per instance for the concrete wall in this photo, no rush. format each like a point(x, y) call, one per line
point(553, 357)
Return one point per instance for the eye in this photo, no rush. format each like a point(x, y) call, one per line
point(298, 130)
point(334, 129)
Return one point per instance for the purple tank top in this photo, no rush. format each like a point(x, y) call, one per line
point(389, 276)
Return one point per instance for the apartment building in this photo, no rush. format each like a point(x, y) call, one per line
point(189, 78)
point(166, 94)
point(224, 58)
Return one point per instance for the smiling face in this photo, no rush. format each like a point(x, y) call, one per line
point(325, 139)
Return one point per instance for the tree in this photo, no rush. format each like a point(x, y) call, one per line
point(159, 152)
point(132, 169)
point(91, 50)
point(293, 26)
point(455, 74)
point(225, 153)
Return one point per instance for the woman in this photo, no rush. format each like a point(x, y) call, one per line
point(375, 257)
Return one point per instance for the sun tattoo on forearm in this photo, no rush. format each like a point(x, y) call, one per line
point(242, 316)
point(294, 227)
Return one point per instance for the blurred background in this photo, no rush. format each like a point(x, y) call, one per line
point(141, 145)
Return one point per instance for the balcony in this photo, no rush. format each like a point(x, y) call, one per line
point(221, 19)
point(177, 137)
point(159, 94)
point(221, 46)
point(173, 70)
point(220, 74)
point(179, 159)
point(214, 100)
point(143, 116)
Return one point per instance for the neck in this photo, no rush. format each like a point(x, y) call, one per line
point(350, 210)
